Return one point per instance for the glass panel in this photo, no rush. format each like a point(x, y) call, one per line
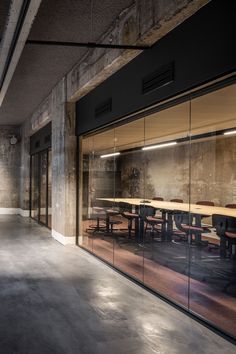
point(166, 157)
point(213, 182)
point(50, 188)
point(87, 224)
point(129, 189)
point(101, 185)
point(43, 188)
point(34, 186)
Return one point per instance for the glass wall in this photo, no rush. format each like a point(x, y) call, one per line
point(34, 186)
point(158, 202)
point(41, 187)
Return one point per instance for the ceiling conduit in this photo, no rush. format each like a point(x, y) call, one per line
point(21, 16)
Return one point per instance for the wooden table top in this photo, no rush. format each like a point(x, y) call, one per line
point(193, 208)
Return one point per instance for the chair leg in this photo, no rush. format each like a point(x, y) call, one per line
point(129, 228)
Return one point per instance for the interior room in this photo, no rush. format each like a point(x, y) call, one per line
point(157, 194)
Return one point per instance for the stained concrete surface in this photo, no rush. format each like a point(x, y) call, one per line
point(56, 299)
point(9, 167)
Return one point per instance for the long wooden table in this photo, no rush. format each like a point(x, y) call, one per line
point(168, 207)
point(192, 208)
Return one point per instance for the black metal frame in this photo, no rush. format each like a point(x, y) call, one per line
point(88, 45)
point(186, 97)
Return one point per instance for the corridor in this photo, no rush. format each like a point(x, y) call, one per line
point(61, 300)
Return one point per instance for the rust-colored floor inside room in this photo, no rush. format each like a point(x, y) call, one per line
point(210, 294)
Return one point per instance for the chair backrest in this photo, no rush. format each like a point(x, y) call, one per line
point(158, 198)
point(145, 210)
point(219, 222)
point(181, 217)
point(205, 202)
point(230, 224)
point(176, 200)
point(232, 206)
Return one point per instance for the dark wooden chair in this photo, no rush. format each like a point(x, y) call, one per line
point(231, 206)
point(176, 200)
point(186, 228)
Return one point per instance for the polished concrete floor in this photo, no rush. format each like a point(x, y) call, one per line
point(56, 299)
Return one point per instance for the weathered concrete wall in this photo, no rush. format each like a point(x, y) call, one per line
point(9, 168)
point(144, 22)
point(166, 172)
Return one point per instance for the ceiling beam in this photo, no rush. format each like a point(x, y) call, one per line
point(88, 45)
point(21, 17)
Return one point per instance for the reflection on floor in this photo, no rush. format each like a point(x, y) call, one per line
point(164, 267)
point(61, 300)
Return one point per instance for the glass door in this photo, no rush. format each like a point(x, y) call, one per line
point(43, 188)
point(34, 212)
point(41, 176)
point(49, 188)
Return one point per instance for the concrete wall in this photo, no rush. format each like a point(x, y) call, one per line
point(166, 172)
point(9, 170)
point(143, 22)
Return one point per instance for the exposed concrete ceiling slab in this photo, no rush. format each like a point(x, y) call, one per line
point(40, 68)
point(4, 8)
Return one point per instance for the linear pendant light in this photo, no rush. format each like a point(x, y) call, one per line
point(150, 147)
point(110, 155)
point(230, 132)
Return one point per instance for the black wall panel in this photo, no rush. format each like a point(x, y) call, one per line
point(199, 50)
point(41, 140)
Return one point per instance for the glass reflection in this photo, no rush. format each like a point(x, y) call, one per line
point(41, 184)
point(128, 247)
point(49, 188)
point(213, 179)
point(167, 178)
point(166, 215)
point(34, 186)
point(43, 188)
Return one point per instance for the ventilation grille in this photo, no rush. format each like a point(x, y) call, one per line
point(37, 144)
point(158, 79)
point(103, 108)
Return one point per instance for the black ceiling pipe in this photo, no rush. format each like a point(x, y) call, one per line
point(88, 45)
point(19, 25)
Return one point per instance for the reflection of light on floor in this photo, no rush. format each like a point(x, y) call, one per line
point(150, 328)
point(108, 291)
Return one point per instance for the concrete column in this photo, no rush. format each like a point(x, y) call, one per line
point(63, 166)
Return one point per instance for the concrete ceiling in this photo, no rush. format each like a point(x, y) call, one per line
point(4, 8)
point(41, 67)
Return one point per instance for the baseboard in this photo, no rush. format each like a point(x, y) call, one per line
point(9, 211)
point(64, 240)
point(15, 211)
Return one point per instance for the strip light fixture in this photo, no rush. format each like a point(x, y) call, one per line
point(110, 155)
point(159, 146)
point(230, 132)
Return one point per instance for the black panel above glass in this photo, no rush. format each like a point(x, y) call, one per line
point(196, 52)
point(41, 140)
